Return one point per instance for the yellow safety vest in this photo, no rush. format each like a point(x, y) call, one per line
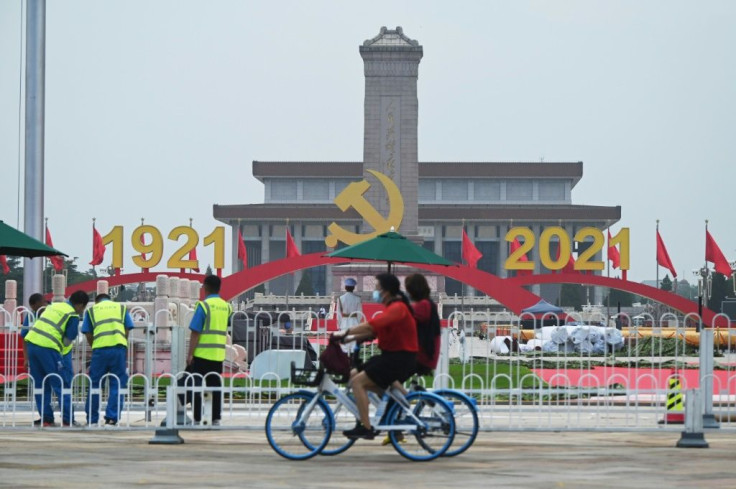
point(213, 337)
point(48, 330)
point(108, 324)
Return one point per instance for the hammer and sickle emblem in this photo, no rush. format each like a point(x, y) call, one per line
point(352, 196)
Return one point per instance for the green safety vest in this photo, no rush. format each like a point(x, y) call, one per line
point(213, 337)
point(108, 324)
point(48, 330)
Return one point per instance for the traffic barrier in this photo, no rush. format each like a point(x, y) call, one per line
point(675, 403)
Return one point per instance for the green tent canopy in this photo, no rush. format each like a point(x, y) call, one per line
point(390, 247)
point(16, 243)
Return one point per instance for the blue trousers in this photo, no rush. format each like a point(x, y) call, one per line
point(47, 361)
point(111, 360)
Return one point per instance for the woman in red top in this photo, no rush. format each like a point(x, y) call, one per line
point(428, 323)
point(396, 332)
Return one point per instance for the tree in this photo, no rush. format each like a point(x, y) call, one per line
point(74, 276)
point(208, 271)
point(305, 286)
point(666, 283)
point(615, 296)
point(16, 273)
point(572, 295)
point(721, 289)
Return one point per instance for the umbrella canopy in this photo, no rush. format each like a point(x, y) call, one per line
point(390, 247)
point(16, 243)
point(543, 307)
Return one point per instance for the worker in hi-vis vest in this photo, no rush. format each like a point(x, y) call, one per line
point(106, 326)
point(50, 335)
point(38, 305)
point(207, 346)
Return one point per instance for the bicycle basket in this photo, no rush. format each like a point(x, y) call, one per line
point(305, 377)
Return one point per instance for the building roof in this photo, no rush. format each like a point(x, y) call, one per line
point(276, 212)
point(529, 212)
point(391, 38)
point(427, 212)
point(439, 169)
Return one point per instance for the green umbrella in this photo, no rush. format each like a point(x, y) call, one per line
point(392, 248)
point(16, 243)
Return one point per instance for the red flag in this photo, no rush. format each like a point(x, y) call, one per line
point(193, 256)
point(714, 255)
point(242, 252)
point(291, 249)
point(663, 258)
point(470, 253)
point(613, 254)
point(98, 248)
point(56, 261)
point(4, 264)
point(570, 265)
point(515, 245)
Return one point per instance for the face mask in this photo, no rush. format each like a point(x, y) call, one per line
point(376, 296)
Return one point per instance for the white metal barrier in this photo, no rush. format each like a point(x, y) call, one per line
point(520, 380)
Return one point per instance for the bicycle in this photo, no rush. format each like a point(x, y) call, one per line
point(299, 425)
point(464, 410)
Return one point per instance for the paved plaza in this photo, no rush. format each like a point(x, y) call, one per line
point(79, 459)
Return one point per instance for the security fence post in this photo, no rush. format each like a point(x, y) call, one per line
point(693, 436)
point(706, 376)
point(443, 364)
point(168, 434)
point(149, 345)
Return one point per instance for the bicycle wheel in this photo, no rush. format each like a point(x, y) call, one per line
point(431, 427)
point(466, 420)
point(294, 434)
point(342, 420)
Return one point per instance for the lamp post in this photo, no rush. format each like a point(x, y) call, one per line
point(705, 288)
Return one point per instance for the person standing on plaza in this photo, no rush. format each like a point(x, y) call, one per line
point(35, 303)
point(349, 306)
point(54, 330)
point(349, 310)
point(207, 345)
point(106, 326)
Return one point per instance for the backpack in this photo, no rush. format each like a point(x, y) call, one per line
point(428, 332)
point(334, 360)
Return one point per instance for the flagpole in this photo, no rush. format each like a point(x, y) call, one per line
point(462, 286)
point(290, 276)
point(45, 261)
point(706, 234)
point(190, 225)
point(608, 264)
point(93, 244)
point(655, 261)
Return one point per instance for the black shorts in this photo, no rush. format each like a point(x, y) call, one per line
point(390, 366)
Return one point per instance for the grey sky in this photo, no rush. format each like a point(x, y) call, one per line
point(156, 109)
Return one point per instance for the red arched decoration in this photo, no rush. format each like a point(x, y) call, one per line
point(510, 292)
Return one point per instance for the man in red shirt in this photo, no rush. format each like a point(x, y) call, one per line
point(396, 331)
